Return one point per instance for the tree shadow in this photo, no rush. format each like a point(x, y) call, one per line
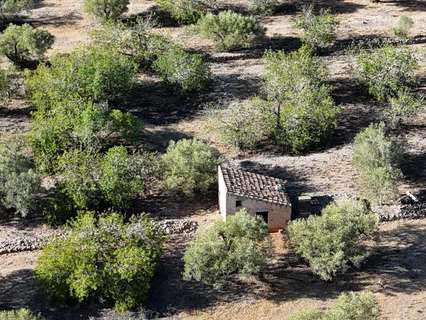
point(408, 5)
point(161, 18)
point(413, 167)
point(20, 289)
point(71, 18)
point(158, 104)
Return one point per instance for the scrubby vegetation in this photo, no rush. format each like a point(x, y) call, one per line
point(186, 71)
point(19, 182)
point(319, 30)
point(189, 166)
point(237, 246)
point(105, 10)
point(21, 314)
point(263, 7)
point(377, 158)
point(22, 43)
point(230, 30)
point(102, 257)
point(402, 30)
point(386, 71)
point(185, 11)
point(349, 306)
point(348, 223)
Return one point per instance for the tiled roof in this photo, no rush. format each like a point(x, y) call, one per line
point(255, 186)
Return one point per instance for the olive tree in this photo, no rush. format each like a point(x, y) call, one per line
point(377, 159)
point(189, 166)
point(303, 111)
point(387, 70)
point(105, 10)
point(328, 253)
point(237, 246)
point(102, 256)
point(23, 43)
point(20, 314)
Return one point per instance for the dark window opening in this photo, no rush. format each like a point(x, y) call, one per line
point(238, 203)
point(263, 215)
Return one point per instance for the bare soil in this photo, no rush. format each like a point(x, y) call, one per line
point(396, 273)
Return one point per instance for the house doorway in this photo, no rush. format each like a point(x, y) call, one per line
point(263, 215)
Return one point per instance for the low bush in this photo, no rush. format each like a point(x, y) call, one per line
point(402, 30)
point(186, 71)
point(263, 7)
point(185, 11)
point(404, 104)
point(303, 112)
point(347, 223)
point(102, 257)
point(5, 85)
point(242, 125)
point(319, 30)
point(235, 247)
point(386, 71)
point(189, 166)
point(230, 30)
point(377, 159)
point(19, 183)
point(349, 306)
point(23, 43)
point(105, 10)
point(21, 314)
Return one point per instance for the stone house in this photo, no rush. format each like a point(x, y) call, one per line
point(261, 195)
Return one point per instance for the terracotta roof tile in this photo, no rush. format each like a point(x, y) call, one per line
point(256, 186)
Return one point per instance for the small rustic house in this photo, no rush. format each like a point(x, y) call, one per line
point(261, 195)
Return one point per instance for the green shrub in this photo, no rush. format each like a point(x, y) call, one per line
point(307, 120)
point(189, 166)
point(23, 43)
point(137, 40)
point(237, 246)
point(91, 180)
point(230, 30)
point(386, 71)
point(346, 223)
point(185, 70)
point(19, 183)
point(303, 112)
point(75, 123)
point(102, 257)
point(5, 85)
point(242, 125)
point(106, 9)
point(403, 105)
point(402, 30)
point(377, 158)
point(319, 31)
point(349, 306)
point(308, 314)
point(21, 314)
point(263, 7)
point(355, 306)
point(185, 11)
point(13, 6)
point(94, 73)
